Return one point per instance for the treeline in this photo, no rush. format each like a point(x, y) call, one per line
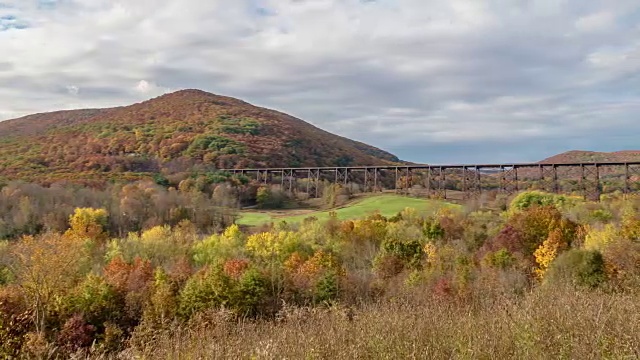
point(84, 291)
point(30, 209)
point(208, 199)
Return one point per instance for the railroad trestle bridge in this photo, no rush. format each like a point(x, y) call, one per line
point(588, 179)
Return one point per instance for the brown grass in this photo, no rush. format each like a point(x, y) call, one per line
point(546, 324)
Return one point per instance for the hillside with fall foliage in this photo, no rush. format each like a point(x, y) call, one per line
point(581, 156)
point(173, 133)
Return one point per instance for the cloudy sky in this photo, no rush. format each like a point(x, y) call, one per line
point(438, 81)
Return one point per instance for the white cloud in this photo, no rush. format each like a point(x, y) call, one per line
point(73, 90)
point(399, 74)
point(596, 22)
point(143, 86)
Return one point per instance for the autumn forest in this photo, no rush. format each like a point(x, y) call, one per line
point(121, 239)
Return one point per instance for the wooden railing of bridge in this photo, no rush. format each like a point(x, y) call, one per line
point(588, 179)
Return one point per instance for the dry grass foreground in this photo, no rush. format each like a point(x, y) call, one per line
point(546, 324)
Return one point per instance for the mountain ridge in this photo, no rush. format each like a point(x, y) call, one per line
point(184, 132)
point(587, 156)
point(172, 133)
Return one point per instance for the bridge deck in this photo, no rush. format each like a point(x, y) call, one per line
point(437, 166)
point(471, 179)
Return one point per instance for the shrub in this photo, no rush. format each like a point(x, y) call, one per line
point(528, 199)
point(270, 198)
point(250, 293)
point(163, 305)
point(75, 334)
point(274, 245)
point(235, 268)
point(315, 278)
point(113, 338)
point(326, 288)
point(583, 268)
point(388, 265)
point(159, 244)
point(217, 248)
point(369, 231)
point(15, 322)
point(501, 259)
point(534, 226)
point(133, 282)
point(630, 226)
point(549, 250)
point(335, 195)
point(451, 223)
point(208, 289)
point(599, 238)
point(408, 251)
point(622, 260)
point(601, 215)
point(96, 300)
point(433, 230)
point(509, 238)
point(129, 277)
point(47, 268)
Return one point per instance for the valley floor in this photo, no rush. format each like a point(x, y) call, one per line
point(387, 205)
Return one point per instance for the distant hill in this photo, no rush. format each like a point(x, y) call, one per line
point(580, 156)
point(173, 133)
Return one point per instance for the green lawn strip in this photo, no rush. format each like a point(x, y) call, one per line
point(253, 218)
point(387, 205)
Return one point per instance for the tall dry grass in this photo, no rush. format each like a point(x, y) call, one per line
point(546, 324)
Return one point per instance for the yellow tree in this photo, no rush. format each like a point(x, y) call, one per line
point(599, 238)
point(549, 250)
point(88, 224)
point(272, 248)
point(46, 267)
point(217, 248)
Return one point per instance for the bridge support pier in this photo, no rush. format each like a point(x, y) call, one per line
point(509, 180)
point(313, 182)
point(262, 176)
point(342, 176)
point(404, 180)
point(371, 176)
point(590, 182)
point(549, 178)
point(436, 182)
point(471, 182)
point(631, 171)
point(288, 180)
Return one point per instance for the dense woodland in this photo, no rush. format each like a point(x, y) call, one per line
point(125, 272)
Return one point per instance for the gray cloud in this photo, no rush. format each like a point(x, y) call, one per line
point(431, 80)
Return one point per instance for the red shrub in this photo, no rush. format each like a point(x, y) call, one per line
point(443, 288)
point(126, 277)
point(509, 238)
point(76, 334)
point(181, 271)
point(388, 266)
point(235, 267)
point(116, 273)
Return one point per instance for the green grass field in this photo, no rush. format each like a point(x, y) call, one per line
point(386, 205)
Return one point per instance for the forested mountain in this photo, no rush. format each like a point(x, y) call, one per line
point(171, 134)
